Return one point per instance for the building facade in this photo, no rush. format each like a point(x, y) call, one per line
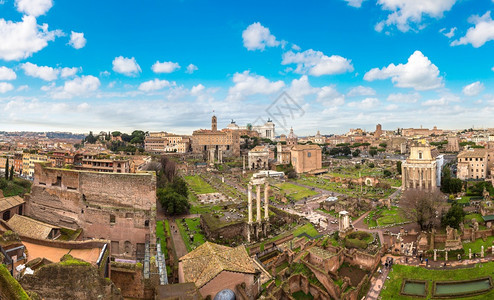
point(305, 158)
point(226, 140)
point(419, 171)
point(159, 142)
point(473, 164)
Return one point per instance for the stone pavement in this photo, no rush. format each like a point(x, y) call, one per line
point(377, 285)
point(180, 248)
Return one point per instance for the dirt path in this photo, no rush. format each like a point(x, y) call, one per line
point(177, 239)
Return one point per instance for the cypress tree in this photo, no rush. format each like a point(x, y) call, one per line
point(11, 175)
point(7, 169)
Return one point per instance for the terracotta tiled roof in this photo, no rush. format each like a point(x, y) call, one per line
point(208, 260)
point(9, 202)
point(306, 147)
point(473, 153)
point(30, 227)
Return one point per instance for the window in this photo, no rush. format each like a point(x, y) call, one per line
point(146, 223)
point(309, 154)
point(112, 219)
point(420, 155)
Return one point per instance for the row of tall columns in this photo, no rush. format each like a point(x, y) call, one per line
point(258, 202)
point(415, 177)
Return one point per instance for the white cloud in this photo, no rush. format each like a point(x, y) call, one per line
point(7, 74)
point(404, 98)
point(104, 74)
point(258, 37)
point(153, 85)
point(354, 3)
point(33, 7)
point(5, 87)
point(197, 89)
point(329, 96)
point(473, 89)
point(418, 73)
point(165, 67)
point(299, 88)
point(44, 72)
point(367, 103)
point(448, 34)
point(191, 68)
point(316, 63)
point(83, 107)
point(247, 84)
point(361, 91)
point(80, 86)
point(405, 12)
point(482, 32)
point(22, 88)
point(126, 66)
point(77, 40)
point(445, 100)
point(19, 40)
point(391, 107)
point(68, 72)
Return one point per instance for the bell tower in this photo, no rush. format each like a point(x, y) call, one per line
point(214, 123)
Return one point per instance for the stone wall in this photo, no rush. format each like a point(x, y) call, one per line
point(56, 281)
point(111, 206)
point(364, 260)
point(129, 281)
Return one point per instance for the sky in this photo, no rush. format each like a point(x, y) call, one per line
point(313, 65)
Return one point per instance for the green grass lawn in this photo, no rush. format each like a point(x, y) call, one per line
point(383, 216)
point(392, 286)
point(354, 190)
point(296, 192)
point(307, 228)
point(198, 185)
point(160, 233)
point(476, 245)
point(478, 217)
point(16, 187)
point(195, 231)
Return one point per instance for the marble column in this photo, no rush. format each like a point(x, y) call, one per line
point(435, 254)
point(446, 256)
point(249, 202)
point(258, 190)
point(469, 253)
point(266, 201)
point(482, 251)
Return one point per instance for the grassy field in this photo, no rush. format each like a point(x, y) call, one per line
point(354, 191)
point(16, 187)
point(477, 245)
point(383, 216)
point(198, 185)
point(295, 192)
point(392, 286)
point(194, 230)
point(307, 228)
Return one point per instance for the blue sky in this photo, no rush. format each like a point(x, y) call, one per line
point(166, 65)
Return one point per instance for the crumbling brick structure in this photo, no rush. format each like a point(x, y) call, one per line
point(111, 206)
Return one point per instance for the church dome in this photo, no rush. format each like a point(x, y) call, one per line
point(225, 294)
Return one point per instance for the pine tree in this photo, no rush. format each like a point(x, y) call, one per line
point(7, 169)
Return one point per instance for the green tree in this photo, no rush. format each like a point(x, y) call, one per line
point(387, 173)
point(372, 152)
point(90, 138)
point(398, 167)
point(453, 217)
point(11, 175)
point(383, 145)
point(173, 203)
point(356, 153)
point(116, 133)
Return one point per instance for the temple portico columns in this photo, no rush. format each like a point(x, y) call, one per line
point(266, 201)
point(258, 189)
point(249, 203)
